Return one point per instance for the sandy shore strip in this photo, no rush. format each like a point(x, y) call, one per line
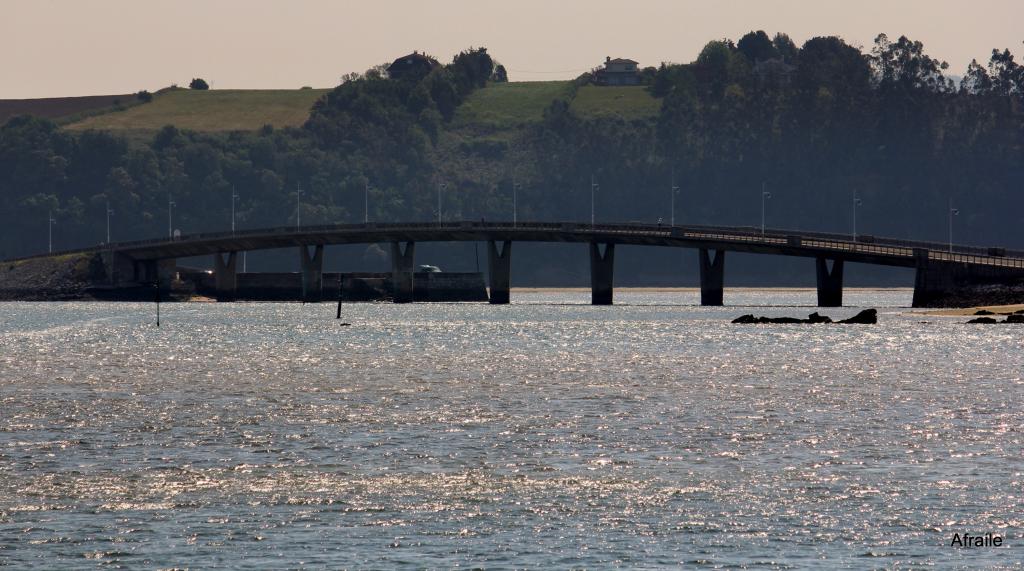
point(971, 311)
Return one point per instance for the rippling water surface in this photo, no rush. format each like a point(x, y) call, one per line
point(546, 433)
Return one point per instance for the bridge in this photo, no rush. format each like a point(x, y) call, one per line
point(939, 267)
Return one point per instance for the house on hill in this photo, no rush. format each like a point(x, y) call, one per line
point(618, 71)
point(414, 65)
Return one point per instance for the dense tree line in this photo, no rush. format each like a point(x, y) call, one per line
point(813, 124)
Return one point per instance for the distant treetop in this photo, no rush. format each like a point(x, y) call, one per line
point(199, 84)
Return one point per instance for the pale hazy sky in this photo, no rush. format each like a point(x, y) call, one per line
point(51, 48)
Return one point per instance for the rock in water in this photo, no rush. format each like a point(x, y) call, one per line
point(983, 320)
point(868, 316)
point(983, 312)
point(1015, 318)
point(780, 320)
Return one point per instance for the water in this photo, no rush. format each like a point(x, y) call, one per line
point(546, 434)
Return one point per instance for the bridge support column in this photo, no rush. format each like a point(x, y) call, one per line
point(712, 277)
point(120, 268)
point(312, 272)
point(402, 271)
point(499, 271)
point(602, 268)
point(225, 276)
point(830, 283)
point(154, 271)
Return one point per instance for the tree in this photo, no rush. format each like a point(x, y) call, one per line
point(198, 84)
point(470, 70)
point(714, 65)
point(832, 64)
point(976, 80)
point(1007, 75)
point(786, 48)
point(904, 65)
point(757, 46)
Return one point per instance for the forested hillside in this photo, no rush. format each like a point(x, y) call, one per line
point(813, 124)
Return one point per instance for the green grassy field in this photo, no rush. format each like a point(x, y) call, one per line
point(510, 104)
point(497, 107)
point(627, 102)
point(215, 110)
point(505, 105)
point(59, 108)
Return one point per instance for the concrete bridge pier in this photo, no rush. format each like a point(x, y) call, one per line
point(601, 273)
point(499, 271)
point(830, 283)
point(120, 268)
point(712, 277)
point(154, 271)
point(312, 272)
point(225, 276)
point(948, 283)
point(402, 271)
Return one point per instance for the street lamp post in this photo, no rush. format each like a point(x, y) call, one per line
point(440, 187)
point(49, 229)
point(234, 197)
point(856, 204)
point(515, 202)
point(366, 202)
point(593, 188)
point(674, 189)
point(170, 209)
point(952, 212)
point(298, 207)
point(765, 195)
point(109, 214)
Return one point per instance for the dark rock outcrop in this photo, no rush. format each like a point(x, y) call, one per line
point(866, 316)
point(983, 312)
point(1010, 318)
point(815, 318)
point(983, 320)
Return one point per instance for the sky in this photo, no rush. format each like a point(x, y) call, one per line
point(56, 48)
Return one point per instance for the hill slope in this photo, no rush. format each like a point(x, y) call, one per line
point(508, 105)
point(215, 110)
point(496, 107)
point(60, 107)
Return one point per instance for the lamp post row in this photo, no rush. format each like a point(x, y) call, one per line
point(594, 187)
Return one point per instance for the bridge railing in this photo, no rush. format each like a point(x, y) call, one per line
point(746, 234)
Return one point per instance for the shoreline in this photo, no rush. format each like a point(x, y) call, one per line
point(972, 311)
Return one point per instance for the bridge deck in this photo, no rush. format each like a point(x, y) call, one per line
point(870, 250)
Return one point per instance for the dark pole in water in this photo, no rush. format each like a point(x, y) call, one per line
point(476, 254)
point(340, 282)
point(156, 285)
